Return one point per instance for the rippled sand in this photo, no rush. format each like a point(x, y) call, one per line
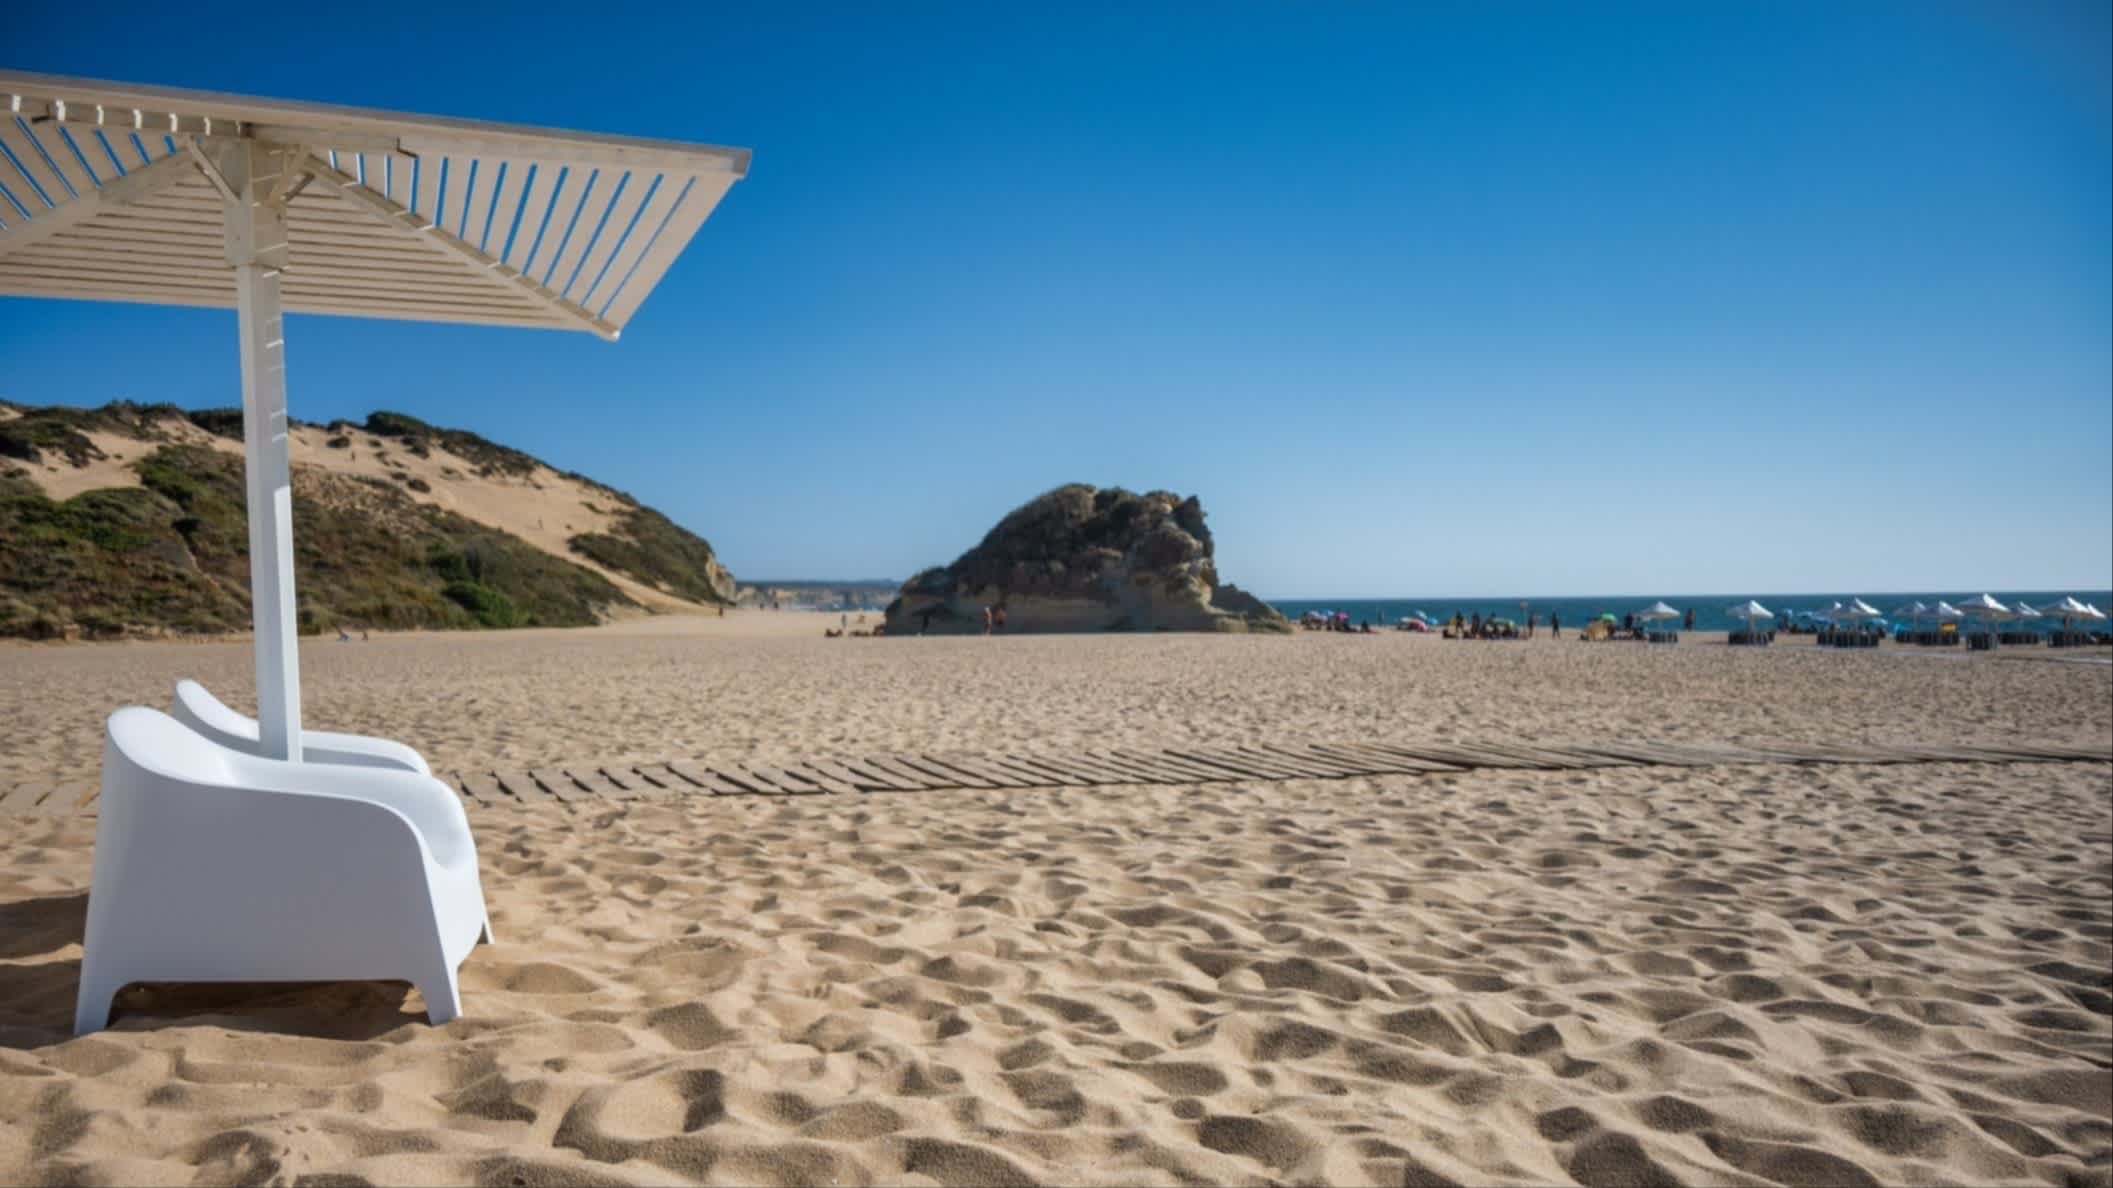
point(1708, 976)
point(765, 687)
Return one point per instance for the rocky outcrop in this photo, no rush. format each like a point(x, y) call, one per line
point(1082, 558)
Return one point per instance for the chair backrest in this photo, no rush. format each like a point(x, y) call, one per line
point(208, 715)
point(153, 741)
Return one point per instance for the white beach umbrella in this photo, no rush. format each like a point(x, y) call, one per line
point(2070, 608)
point(1982, 604)
point(1946, 612)
point(1986, 609)
point(269, 206)
point(1856, 610)
point(1864, 610)
point(1751, 614)
point(2022, 610)
point(1657, 611)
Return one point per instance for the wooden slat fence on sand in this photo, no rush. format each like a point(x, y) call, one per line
point(591, 784)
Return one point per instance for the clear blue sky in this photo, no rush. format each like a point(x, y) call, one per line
point(1465, 299)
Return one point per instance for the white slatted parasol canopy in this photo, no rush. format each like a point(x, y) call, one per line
point(120, 192)
point(112, 191)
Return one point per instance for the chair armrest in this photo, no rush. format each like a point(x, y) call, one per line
point(359, 750)
point(431, 807)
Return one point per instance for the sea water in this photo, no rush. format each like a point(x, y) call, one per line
point(1711, 610)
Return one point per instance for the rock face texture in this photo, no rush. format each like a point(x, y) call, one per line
point(1083, 558)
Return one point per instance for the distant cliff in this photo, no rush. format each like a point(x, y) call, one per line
point(1082, 558)
point(130, 520)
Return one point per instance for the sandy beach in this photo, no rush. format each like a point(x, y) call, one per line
point(766, 686)
point(1777, 974)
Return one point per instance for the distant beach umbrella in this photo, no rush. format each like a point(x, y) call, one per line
point(2024, 611)
point(2072, 608)
point(1853, 611)
point(1656, 611)
point(1946, 612)
point(1986, 609)
point(1751, 614)
point(1982, 604)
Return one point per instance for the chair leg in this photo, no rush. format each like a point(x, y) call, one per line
point(485, 937)
point(443, 996)
point(91, 1005)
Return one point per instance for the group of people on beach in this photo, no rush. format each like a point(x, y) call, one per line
point(843, 627)
point(1337, 621)
point(1476, 627)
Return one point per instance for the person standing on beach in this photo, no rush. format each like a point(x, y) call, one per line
point(1690, 618)
point(986, 620)
point(997, 618)
point(1555, 625)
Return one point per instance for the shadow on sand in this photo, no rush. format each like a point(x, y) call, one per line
point(40, 975)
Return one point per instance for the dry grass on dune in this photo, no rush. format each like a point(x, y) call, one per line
point(1720, 976)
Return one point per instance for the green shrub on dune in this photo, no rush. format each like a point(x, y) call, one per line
point(419, 438)
point(655, 550)
point(99, 562)
point(173, 555)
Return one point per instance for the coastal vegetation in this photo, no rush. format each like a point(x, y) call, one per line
point(160, 545)
point(648, 546)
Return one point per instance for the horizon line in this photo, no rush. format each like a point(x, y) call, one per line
point(2075, 589)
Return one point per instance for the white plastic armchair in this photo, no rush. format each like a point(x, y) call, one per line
point(215, 866)
point(197, 708)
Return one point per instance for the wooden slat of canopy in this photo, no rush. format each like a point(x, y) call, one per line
point(398, 216)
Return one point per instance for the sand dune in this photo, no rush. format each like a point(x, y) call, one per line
point(543, 507)
point(1722, 977)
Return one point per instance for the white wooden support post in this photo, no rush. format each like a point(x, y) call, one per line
point(256, 249)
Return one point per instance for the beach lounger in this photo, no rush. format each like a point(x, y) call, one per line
point(208, 715)
point(212, 865)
